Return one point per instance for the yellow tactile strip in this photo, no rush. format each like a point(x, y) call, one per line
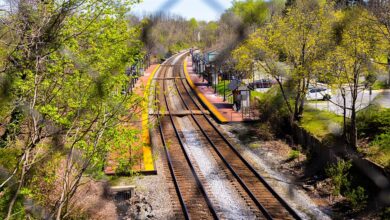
point(146, 147)
point(208, 104)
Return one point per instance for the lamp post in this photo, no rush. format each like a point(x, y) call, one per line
point(215, 79)
point(224, 89)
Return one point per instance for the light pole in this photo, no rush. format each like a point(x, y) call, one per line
point(224, 89)
point(215, 78)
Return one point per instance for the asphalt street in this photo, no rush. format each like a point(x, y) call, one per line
point(379, 97)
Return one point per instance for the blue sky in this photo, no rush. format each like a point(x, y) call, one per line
point(200, 9)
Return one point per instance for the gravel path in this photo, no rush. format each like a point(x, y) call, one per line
point(228, 200)
point(264, 162)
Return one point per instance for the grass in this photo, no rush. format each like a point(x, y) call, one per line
point(254, 93)
point(321, 123)
point(379, 150)
point(257, 94)
point(374, 124)
point(294, 154)
point(379, 85)
point(221, 85)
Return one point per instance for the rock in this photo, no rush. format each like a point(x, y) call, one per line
point(308, 187)
point(140, 208)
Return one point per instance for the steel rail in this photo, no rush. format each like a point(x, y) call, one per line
point(171, 169)
point(197, 179)
point(244, 186)
point(250, 167)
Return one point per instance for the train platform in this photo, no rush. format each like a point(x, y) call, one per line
point(143, 153)
point(223, 110)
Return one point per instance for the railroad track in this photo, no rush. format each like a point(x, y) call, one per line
point(261, 195)
point(194, 200)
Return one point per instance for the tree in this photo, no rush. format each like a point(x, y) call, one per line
point(381, 24)
point(62, 80)
point(352, 60)
point(252, 12)
point(299, 39)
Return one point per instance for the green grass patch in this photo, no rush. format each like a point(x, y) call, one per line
point(257, 94)
point(294, 154)
point(221, 85)
point(321, 123)
point(379, 85)
point(374, 123)
point(379, 149)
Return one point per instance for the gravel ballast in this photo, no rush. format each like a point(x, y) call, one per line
point(267, 164)
point(227, 198)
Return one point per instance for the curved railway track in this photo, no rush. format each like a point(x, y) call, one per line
point(262, 195)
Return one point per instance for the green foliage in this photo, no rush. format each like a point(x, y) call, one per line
point(67, 71)
point(5, 198)
point(193, 24)
point(339, 175)
point(8, 157)
point(379, 84)
point(373, 121)
point(272, 105)
point(385, 215)
point(251, 11)
point(126, 144)
point(321, 123)
point(290, 47)
point(374, 124)
point(294, 154)
point(223, 84)
point(383, 141)
point(357, 198)
point(379, 150)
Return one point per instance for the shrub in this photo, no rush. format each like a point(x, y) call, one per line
point(382, 141)
point(339, 175)
point(5, 198)
point(385, 215)
point(357, 198)
point(272, 106)
point(373, 121)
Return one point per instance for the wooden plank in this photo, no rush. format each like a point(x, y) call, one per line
point(168, 78)
point(181, 113)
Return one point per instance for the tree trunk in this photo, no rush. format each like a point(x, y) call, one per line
point(305, 85)
point(353, 129)
point(284, 96)
point(388, 69)
point(297, 103)
point(354, 95)
point(344, 114)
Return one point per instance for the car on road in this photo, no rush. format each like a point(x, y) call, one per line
point(317, 93)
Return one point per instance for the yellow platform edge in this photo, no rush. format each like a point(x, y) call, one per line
point(146, 147)
point(213, 110)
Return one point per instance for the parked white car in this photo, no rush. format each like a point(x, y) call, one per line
point(317, 93)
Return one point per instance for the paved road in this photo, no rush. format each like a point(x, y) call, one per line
point(384, 99)
point(381, 97)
